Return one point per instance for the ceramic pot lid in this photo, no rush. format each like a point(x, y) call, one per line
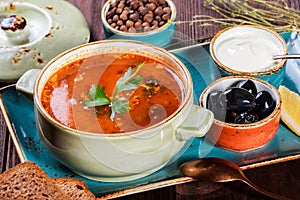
point(32, 32)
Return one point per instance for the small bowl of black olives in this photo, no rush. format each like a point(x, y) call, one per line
point(246, 112)
point(151, 21)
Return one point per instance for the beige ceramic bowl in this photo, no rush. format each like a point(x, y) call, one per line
point(243, 137)
point(124, 156)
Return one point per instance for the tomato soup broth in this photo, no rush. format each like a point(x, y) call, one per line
point(159, 94)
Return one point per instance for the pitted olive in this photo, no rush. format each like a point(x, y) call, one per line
point(241, 103)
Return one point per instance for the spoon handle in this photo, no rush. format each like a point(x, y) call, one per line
point(288, 56)
point(265, 192)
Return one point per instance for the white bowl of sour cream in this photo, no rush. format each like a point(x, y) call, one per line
point(249, 50)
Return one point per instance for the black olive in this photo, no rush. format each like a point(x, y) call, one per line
point(213, 99)
point(265, 104)
point(246, 84)
point(239, 100)
point(246, 118)
point(239, 105)
point(215, 103)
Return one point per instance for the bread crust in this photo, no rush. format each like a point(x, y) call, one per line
point(74, 188)
point(28, 181)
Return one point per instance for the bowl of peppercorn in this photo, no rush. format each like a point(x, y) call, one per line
point(246, 112)
point(151, 21)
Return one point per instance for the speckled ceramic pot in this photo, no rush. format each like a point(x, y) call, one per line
point(32, 32)
point(124, 156)
point(247, 50)
point(243, 137)
point(159, 37)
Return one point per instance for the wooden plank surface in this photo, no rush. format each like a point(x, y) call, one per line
point(282, 178)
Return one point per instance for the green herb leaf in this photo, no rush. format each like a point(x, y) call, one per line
point(128, 81)
point(94, 103)
point(98, 97)
point(92, 92)
point(118, 105)
point(97, 92)
point(133, 83)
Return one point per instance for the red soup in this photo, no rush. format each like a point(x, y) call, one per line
point(158, 94)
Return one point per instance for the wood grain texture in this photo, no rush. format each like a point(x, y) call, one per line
point(282, 178)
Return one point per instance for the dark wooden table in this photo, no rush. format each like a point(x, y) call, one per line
point(282, 178)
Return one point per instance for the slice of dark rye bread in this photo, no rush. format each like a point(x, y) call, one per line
point(74, 188)
point(28, 181)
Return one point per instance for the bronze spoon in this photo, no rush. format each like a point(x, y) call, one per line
point(220, 170)
point(287, 56)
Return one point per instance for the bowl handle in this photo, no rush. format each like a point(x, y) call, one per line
point(196, 124)
point(26, 82)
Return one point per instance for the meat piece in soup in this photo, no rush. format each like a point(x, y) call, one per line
point(159, 94)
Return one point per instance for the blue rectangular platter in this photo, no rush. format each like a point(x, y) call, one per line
point(19, 113)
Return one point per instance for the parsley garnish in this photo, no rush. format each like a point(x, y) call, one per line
point(118, 104)
point(98, 96)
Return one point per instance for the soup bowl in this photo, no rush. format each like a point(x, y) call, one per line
point(248, 50)
point(118, 156)
point(233, 129)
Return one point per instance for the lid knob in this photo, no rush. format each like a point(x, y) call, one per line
point(13, 23)
point(14, 30)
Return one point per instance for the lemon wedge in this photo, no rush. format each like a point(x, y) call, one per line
point(290, 110)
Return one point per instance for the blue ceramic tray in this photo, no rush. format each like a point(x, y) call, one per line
point(19, 115)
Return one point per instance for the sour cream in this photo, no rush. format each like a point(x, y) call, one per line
point(248, 49)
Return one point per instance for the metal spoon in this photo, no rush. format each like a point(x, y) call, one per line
point(220, 170)
point(287, 56)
